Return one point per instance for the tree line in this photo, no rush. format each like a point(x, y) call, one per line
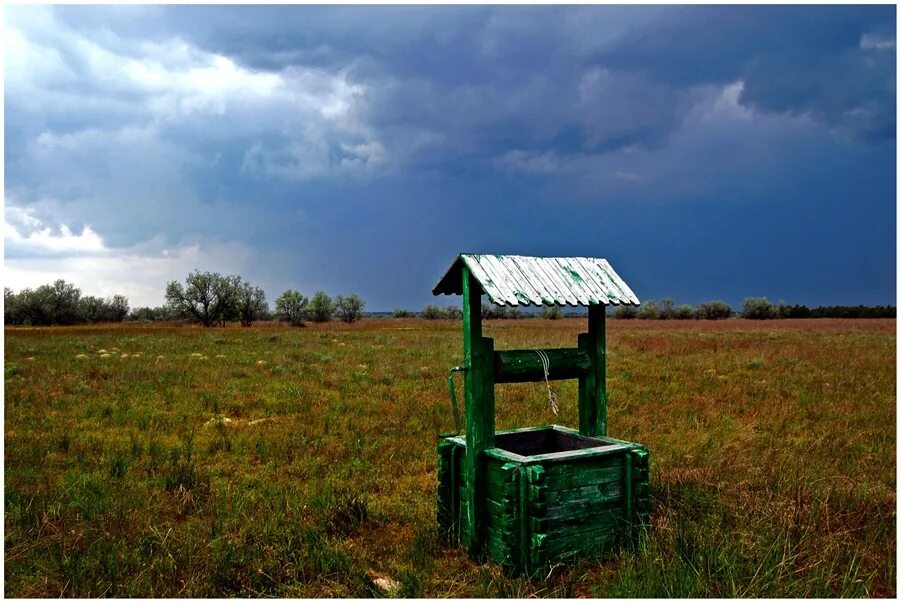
point(212, 299)
point(753, 308)
point(206, 298)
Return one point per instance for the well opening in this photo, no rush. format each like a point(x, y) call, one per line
point(544, 441)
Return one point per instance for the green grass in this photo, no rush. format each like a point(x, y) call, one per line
point(293, 462)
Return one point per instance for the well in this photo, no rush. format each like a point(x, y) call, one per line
point(530, 496)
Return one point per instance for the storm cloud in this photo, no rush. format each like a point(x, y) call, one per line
point(708, 152)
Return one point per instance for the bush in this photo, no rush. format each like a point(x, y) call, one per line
point(492, 311)
point(453, 313)
point(683, 312)
point(291, 307)
point(552, 312)
point(758, 308)
point(403, 313)
point(714, 310)
point(648, 311)
point(799, 311)
point(152, 314)
point(666, 309)
point(321, 307)
point(433, 312)
point(349, 308)
point(624, 312)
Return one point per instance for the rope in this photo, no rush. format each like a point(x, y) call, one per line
point(551, 396)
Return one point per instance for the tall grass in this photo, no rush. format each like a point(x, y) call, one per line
point(772, 445)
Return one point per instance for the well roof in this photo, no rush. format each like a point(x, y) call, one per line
point(522, 280)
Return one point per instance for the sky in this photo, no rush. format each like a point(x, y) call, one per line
point(707, 152)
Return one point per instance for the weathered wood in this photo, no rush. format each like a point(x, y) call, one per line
point(592, 387)
point(539, 494)
point(479, 435)
point(525, 365)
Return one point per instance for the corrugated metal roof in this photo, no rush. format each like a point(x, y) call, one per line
point(521, 280)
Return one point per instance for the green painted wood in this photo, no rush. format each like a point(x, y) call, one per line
point(592, 387)
point(590, 493)
point(535, 514)
point(524, 365)
point(629, 497)
point(479, 434)
point(584, 455)
point(587, 476)
point(581, 542)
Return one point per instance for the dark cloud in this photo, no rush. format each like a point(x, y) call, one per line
point(323, 146)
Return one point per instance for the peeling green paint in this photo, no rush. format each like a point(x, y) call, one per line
point(521, 280)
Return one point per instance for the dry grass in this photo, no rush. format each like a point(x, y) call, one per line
point(772, 445)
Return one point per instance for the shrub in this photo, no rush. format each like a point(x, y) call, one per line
point(349, 308)
point(714, 310)
point(454, 313)
point(433, 312)
point(552, 312)
point(758, 308)
point(94, 309)
point(683, 312)
point(666, 309)
point(798, 311)
point(291, 307)
point(648, 311)
point(321, 307)
point(403, 313)
point(624, 312)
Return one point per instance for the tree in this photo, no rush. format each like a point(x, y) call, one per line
point(433, 312)
point(291, 307)
point(349, 308)
point(250, 303)
point(758, 308)
point(624, 312)
point(649, 311)
point(683, 312)
point(12, 307)
point(57, 303)
point(714, 310)
point(207, 297)
point(666, 309)
point(94, 309)
point(552, 312)
point(321, 307)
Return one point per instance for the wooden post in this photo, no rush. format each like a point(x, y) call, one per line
point(479, 358)
point(592, 387)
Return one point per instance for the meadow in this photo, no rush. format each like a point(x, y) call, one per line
point(300, 462)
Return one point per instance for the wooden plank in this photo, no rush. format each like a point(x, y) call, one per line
point(581, 509)
point(588, 476)
point(479, 418)
point(590, 493)
point(525, 365)
point(576, 455)
point(609, 519)
point(580, 542)
point(592, 387)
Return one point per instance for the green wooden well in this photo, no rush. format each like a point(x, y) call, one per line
point(529, 496)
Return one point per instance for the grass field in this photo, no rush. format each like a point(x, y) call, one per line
point(294, 462)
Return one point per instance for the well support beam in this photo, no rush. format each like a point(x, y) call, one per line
point(479, 359)
point(592, 387)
